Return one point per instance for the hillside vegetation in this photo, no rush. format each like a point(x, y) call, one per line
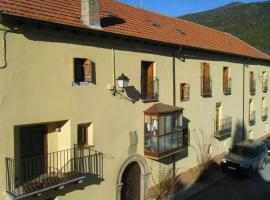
point(249, 22)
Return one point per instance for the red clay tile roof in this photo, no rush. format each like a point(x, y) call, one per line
point(135, 22)
point(160, 108)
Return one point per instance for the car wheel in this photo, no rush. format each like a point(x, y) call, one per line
point(223, 168)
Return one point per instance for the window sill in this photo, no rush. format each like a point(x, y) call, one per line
point(78, 84)
point(149, 100)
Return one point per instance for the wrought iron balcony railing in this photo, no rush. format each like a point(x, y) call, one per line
point(252, 118)
point(265, 85)
point(227, 85)
point(252, 87)
point(223, 127)
point(150, 91)
point(33, 175)
point(206, 86)
point(264, 114)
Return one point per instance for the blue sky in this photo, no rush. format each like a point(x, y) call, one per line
point(181, 7)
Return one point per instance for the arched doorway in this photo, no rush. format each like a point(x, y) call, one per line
point(131, 181)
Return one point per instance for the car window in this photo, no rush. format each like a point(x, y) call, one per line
point(264, 148)
point(240, 150)
point(257, 151)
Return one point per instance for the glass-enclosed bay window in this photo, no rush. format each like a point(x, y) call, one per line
point(163, 130)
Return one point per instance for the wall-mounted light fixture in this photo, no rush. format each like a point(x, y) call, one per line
point(122, 82)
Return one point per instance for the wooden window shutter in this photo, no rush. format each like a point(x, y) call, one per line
point(185, 91)
point(88, 70)
point(205, 69)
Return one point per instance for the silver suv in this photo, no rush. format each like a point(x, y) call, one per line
point(246, 156)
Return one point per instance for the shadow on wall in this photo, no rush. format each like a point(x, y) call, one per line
point(240, 133)
point(94, 77)
point(89, 180)
point(133, 93)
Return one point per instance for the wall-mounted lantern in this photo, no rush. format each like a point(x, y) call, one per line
point(122, 81)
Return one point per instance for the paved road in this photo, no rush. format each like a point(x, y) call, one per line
point(237, 188)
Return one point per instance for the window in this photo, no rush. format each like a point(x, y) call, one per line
point(264, 82)
point(264, 110)
point(252, 83)
point(163, 131)
point(149, 82)
point(83, 71)
point(223, 124)
point(226, 81)
point(85, 134)
point(206, 82)
point(184, 92)
point(252, 113)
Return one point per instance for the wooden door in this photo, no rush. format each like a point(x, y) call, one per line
point(225, 78)
point(150, 78)
point(251, 78)
point(143, 80)
point(131, 180)
point(33, 146)
point(147, 76)
point(206, 76)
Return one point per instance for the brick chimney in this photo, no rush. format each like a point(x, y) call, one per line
point(90, 13)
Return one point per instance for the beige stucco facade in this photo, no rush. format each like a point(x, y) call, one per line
point(36, 87)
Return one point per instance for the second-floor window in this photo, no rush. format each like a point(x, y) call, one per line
point(252, 83)
point(206, 82)
point(83, 71)
point(149, 82)
point(264, 82)
point(226, 81)
point(184, 92)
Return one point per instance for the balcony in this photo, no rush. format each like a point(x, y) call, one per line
point(252, 118)
point(264, 114)
point(161, 146)
point(34, 175)
point(252, 87)
point(265, 85)
point(206, 86)
point(223, 128)
point(150, 90)
point(227, 87)
point(163, 133)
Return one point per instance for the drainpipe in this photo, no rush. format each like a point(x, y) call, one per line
point(243, 124)
point(173, 73)
point(114, 73)
point(174, 102)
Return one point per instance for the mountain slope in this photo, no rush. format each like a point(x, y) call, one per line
point(249, 22)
